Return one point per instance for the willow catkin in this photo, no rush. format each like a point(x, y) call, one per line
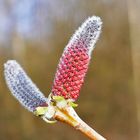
point(21, 86)
point(75, 59)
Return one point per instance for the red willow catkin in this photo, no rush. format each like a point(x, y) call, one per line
point(75, 59)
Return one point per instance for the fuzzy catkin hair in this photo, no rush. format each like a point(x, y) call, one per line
point(21, 86)
point(75, 59)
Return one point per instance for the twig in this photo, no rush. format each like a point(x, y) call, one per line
point(69, 116)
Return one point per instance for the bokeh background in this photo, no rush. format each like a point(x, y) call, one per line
point(35, 32)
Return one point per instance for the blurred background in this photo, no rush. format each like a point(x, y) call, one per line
point(35, 33)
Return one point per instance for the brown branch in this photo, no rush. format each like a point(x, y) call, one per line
point(69, 116)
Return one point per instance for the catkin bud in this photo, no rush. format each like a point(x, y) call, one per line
point(21, 86)
point(75, 59)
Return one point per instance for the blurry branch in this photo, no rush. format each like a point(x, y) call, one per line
point(19, 50)
point(134, 22)
point(17, 46)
